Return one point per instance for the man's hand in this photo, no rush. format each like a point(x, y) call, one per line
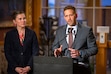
point(58, 51)
point(74, 53)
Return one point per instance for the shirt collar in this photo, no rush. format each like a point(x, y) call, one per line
point(74, 28)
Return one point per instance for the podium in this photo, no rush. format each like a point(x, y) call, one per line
point(101, 57)
point(52, 65)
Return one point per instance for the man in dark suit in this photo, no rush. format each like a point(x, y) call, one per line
point(83, 42)
point(20, 46)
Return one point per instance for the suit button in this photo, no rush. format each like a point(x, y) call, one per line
point(21, 53)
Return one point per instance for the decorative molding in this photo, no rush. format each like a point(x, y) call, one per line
point(28, 12)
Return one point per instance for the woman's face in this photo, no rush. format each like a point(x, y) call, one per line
point(20, 20)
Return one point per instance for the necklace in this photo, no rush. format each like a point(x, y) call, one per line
point(21, 36)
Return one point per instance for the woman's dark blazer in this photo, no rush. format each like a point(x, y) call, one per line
point(18, 55)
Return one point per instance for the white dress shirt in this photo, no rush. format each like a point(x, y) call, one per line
point(74, 31)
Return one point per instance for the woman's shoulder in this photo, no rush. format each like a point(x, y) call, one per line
point(29, 30)
point(11, 31)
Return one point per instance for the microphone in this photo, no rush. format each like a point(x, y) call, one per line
point(59, 42)
point(74, 34)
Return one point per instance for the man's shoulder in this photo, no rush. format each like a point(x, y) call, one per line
point(61, 27)
point(84, 26)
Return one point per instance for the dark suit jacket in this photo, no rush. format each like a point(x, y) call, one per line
point(18, 55)
point(85, 42)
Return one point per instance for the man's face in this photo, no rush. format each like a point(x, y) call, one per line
point(70, 17)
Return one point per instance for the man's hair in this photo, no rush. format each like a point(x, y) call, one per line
point(70, 7)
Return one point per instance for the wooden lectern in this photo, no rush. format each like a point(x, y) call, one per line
point(101, 57)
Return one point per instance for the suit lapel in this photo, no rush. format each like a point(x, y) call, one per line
point(26, 34)
point(25, 38)
point(17, 37)
point(22, 48)
point(16, 40)
point(78, 35)
point(65, 44)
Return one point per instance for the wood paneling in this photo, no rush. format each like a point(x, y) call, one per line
point(36, 13)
